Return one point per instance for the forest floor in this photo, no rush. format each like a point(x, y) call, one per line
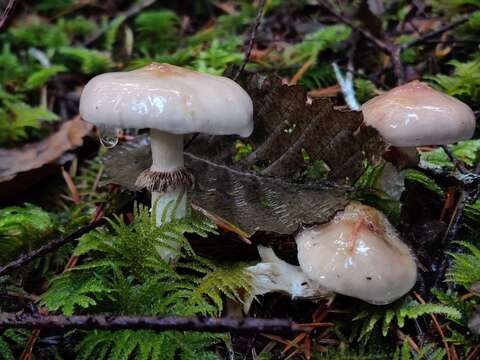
point(81, 273)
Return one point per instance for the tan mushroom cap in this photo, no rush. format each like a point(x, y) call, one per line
point(170, 99)
point(358, 254)
point(414, 114)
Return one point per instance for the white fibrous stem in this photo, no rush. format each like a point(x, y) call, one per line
point(167, 157)
point(273, 274)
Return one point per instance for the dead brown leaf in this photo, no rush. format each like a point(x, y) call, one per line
point(35, 155)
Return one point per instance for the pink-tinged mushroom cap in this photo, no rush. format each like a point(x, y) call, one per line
point(168, 98)
point(358, 254)
point(414, 114)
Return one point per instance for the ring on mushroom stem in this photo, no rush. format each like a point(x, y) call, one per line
point(171, 101)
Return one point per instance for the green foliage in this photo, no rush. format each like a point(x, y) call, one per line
point(158, 31)
point(383, 318)
point(125, 273)
point(316, 42)
point(420, 177)
point(12, 338)
point(10, 67)
point(466, 151)
point(365, 90)
point(5, 351)
point(464, 83)
point(18, 118)
point(21, 228)
point(37, 33)
point(218, 56)
point(465, 270)
point(40, 77)
point(143, 344)
point(79, 26)
point(318, 76)
point(369, 192)
point(90, 61)
point(242, 150)
point(427, 351)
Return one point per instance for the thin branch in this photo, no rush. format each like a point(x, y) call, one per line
point(367, 34)
point(386, 45)
point(49, 247)
point(459, 21)
point(251, 42)
point(458, 164)
point(6, 12)
point(158, 323)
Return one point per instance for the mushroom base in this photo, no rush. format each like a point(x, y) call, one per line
point(164, 181)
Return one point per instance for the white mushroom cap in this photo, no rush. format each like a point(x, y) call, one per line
point(170, 99)
point(414, 114)
point(358, 254)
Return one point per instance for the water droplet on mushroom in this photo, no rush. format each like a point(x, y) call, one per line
point(108, 136)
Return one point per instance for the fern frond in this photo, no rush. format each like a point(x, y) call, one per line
point(90, 61)
point(465, 270)
point(397, 314)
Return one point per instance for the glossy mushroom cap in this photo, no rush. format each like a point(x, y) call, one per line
point(414, 114)
point(170, 99)
point(358, 254)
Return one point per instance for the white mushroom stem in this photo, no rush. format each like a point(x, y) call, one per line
point(273, 274)
point(167, 156)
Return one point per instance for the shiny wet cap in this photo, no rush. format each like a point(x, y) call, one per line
point(358, 254)
point(414, 114)
point(168, 98)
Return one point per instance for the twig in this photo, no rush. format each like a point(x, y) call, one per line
point(6, 12)
point(253, 36)
point(134, 10)
point(158, 323)
point(459, 21)
point(49, 247)
point(386, 45)
point(458, 164)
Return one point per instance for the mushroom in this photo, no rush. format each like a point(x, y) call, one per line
point(358, 254)
point(414, 115)
point(171, 101)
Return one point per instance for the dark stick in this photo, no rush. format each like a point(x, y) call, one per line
point(6, 12)
point(253, 36)
point(49, 247)
point(458, 164)
point(386, 45)
point(158, 323)
point(461, 19)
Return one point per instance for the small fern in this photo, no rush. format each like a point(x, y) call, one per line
point(158, 31)
point(314, 43)
point(21, 229)
point(465, 270)
point(464, 83)
point(90, 61)
point(124, 273)
point(397, 314)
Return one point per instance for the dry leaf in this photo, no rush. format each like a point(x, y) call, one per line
point(250, 201)
point(35, 155)
point(286, 127)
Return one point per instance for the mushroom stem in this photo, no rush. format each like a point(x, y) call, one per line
point(167, 157)
point(273, 274)
point(167, 151)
